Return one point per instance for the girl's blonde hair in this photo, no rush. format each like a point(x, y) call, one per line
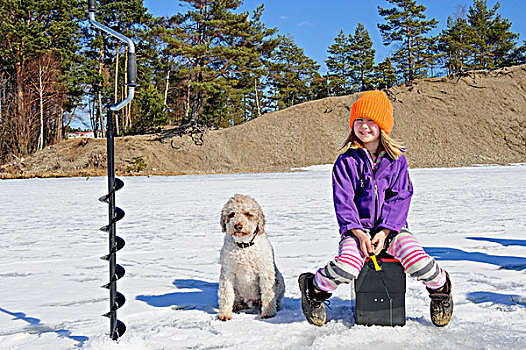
point(392, 147)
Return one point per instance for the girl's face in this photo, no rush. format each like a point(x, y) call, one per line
point(366, 130)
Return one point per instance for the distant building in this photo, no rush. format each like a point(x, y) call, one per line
point(81, 134)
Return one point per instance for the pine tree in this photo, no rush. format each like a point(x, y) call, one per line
point(406, 25)
point(479, 19)
point(491, 40)
point(483, 40)
point(216, 48)
point(292, 74)
point(384, 75)
point(518, 56)
point(339, 65)
point(454, 42)
point(362, 58)
point(151, 112)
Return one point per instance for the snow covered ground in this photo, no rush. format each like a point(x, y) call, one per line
point(473, 220)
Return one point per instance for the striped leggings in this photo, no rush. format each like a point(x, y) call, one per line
point(347, 265)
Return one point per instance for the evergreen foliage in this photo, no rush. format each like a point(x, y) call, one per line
point(362, 59)
point(480, 40)
point(455, 43)
point(151, 110)
point(292, 75)
point(384, 75)
point(339, 65)
point(491, 38)
point(406, 25)
point(218, 52)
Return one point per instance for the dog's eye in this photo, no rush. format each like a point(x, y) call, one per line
point(248, 215)
point(231, 215)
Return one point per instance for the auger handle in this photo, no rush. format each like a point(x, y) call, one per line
point(132, 69)
point(132, 60)
point(91, 6)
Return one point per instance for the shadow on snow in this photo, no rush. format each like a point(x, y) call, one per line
point(204, 299)
point(202, 296)
point(35, 327)
point(495, 298)
point(505, 262)
point(504, 242)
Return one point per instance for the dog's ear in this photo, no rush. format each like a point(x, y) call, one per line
point(261, 222)
point(222, 221)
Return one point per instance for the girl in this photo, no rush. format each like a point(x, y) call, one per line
point(372, 192)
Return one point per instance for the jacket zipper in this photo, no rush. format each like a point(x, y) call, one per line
point(369, 159)
point(375, 199)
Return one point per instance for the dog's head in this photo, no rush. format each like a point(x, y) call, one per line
point(241, 217)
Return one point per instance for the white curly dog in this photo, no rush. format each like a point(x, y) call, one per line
point(249, 276)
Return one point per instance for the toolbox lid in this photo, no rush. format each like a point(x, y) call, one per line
point(392, 274)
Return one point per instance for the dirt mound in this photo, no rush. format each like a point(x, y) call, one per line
point(475, 118)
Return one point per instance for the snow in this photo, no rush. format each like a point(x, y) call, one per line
point(471, 219)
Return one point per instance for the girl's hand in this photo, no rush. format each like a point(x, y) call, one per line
point(379, 240)
point(365, 241)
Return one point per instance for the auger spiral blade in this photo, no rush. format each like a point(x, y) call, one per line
point(119, 272)
point(119, 301)
point(119, 244)
point(119, 215)
point(117, 186)
point(120, 328)
point(115, 214)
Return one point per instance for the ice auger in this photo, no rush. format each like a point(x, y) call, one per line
point(117, 328)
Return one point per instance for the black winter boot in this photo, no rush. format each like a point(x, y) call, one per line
point(312, 300)
point(441, 307)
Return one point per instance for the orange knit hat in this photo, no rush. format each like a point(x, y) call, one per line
point(373, 105)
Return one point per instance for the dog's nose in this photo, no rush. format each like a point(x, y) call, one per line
point(238, 227)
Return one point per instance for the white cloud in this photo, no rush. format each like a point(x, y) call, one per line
point(305, 23)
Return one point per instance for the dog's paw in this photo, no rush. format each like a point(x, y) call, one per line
point(267, 315)
point(224, 317)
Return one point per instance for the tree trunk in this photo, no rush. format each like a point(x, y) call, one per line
point(197, 103)
point(257, 98)
point(18, 135)
point(409, 53)
point(187, 102)
point(60, 126)
point(41, 96)
point(166, 89)
point(101, 117)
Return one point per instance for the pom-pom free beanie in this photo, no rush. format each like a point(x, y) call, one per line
point(373, 105)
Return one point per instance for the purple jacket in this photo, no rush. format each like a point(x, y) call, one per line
point(355, 202)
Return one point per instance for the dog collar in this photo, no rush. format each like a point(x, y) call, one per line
point(244, 245)
point(249, 244)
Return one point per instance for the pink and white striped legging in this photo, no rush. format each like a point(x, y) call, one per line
point(350, 259)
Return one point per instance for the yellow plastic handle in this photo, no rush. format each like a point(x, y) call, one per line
point(376, 266)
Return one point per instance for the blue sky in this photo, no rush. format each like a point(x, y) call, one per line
point(314, 24)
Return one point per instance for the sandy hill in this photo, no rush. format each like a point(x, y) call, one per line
point(474, 118)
